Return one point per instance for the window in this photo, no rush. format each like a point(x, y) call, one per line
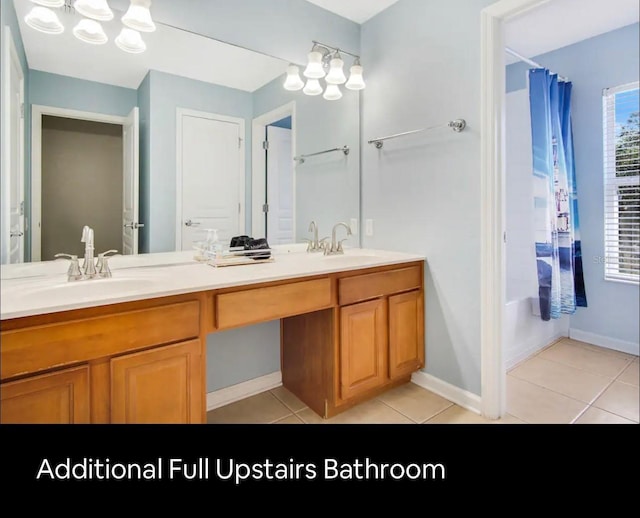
point(622, 183)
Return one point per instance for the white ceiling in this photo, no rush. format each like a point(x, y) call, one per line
point(168, 50)
point(358, 11)
point(563, 22)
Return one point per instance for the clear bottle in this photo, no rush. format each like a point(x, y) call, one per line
point(213, 244)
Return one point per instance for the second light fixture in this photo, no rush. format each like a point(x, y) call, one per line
point(325, 62)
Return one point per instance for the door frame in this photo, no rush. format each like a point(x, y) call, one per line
point(259, 164)
point(180, 112)
point(10, 56)
point(492, 180)
point(37, 112)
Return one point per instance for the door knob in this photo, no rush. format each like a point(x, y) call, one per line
point(133, 225)
point(190, 223)
point(16, 234)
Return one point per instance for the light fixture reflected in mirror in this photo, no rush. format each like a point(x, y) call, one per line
point(95, 9)
point(44, 20)
point(138, 16)
point(131, 41)
point(90, 31)
point(326, 62)
point(293, 81)
point(313, 87)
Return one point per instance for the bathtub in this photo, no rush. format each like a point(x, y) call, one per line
point(525, 333)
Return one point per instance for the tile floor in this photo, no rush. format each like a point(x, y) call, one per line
point(568, 382)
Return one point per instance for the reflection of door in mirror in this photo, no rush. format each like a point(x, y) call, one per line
point(279, 181)
point(13, 155)
point(210, 173)
point(85, 172)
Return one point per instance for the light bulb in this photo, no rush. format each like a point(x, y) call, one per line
point(332, 93)
point(138, 16)
point(49, 3)
point(96, 9)
point(44, 20)
point(314, 69)
point(313, 87)
point(356, 81)
point(90, 31)
point(336, 74)
point(293, 81)
point(130, 41)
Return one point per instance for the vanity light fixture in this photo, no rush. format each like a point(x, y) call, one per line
point(325, 61)
point(95, 9)
point(138, 17)
point(44, 20)
point(293, 81)
point(90, 31)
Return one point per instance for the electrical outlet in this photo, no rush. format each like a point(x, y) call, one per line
point(368, 227)
point(354, 226)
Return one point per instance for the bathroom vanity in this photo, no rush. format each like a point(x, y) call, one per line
point(132, 348)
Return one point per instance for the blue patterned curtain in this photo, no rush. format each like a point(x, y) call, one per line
point(558, 252)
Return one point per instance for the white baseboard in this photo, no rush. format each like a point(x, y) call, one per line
point(243, 390)
point(454, 394)
point(530, 351)
point(605, 341)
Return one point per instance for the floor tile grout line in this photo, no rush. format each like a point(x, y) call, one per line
point(556, 392)
point(608, 354)
point(580, 368)
point(280, 419)
point(438, 413)
point(398, 411)
point(282, 401)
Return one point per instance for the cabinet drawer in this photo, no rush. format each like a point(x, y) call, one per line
point(272, 302)
point(373, 285)
point(43, 347)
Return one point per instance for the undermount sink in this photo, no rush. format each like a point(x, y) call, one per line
point(60, 288)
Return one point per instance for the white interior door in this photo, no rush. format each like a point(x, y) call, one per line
point(14, 147)
point(210, 177)
point(279, 186)
point(131, 163)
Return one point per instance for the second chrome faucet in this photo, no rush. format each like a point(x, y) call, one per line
point(90, 268)
point(333, 248)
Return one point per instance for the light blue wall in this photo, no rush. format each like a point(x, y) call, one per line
point(8, 18)
point(77, 94)
point(604, 61)
point(422, 64)
point(144, 105)
point(281, 28)
point(168, 92)
point(327, 186)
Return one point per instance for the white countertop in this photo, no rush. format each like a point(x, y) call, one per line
point(39, 288)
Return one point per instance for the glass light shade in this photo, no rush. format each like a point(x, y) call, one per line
point(313, 87)
point(293, 81)
point(49, 3)
point(314, 69)
point(332, 93)
point(336, 74)
point(96, 9)
point(356, 81)
point(138, 16)
point(44, 20)
point(90, 31)
point(131, 41)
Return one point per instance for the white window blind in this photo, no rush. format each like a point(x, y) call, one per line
point(622, 183)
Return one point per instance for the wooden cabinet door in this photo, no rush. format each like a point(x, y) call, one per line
point(406, 334)
point(363, 347)
point(60, 397)
point(161, 385)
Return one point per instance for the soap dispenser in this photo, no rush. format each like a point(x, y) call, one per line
point(213, 245)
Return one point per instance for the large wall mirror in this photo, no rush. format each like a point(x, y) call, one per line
point(151, 149)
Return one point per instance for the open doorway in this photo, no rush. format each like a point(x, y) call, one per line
point(84, 172)
point(273, 176)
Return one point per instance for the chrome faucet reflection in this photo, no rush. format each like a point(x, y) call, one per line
point(313, 244)
point(335, 248)
point(90, 268)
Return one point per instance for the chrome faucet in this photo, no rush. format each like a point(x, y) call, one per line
point(88, 267)
point(314, 245)
point(336, 246)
